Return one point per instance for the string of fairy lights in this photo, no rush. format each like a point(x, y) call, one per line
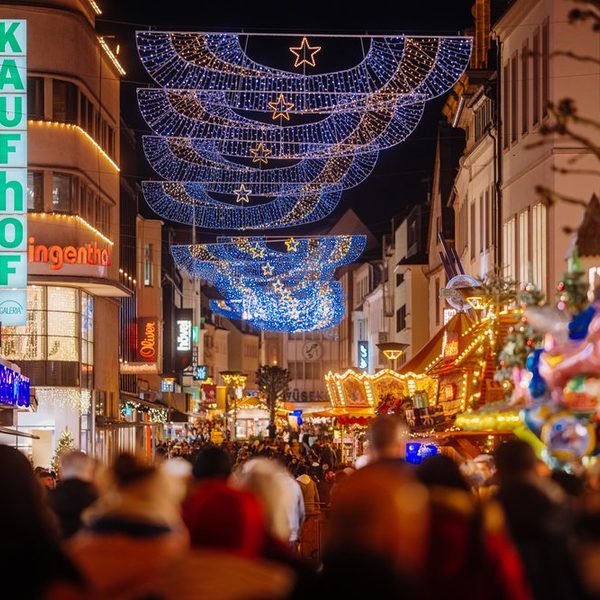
point(242, 145)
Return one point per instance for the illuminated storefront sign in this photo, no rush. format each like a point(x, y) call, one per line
point(13, 172)
point(200, 373)
point(147, 339)
point(363, 355)
point(58, 256)
point(183, 338)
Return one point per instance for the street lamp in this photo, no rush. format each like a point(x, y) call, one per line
point(237, 381)
point(392, 351)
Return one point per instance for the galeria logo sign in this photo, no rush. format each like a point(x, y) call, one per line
point(13, 172)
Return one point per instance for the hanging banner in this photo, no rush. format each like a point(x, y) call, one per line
point(13, 172)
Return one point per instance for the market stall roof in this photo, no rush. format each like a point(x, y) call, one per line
point(346, 416)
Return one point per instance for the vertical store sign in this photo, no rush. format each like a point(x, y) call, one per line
point(147, 339)
point(363, 355)
point(13, 172)
point(183, 338)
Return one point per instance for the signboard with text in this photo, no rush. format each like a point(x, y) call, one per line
point(13, 172)
point(147, 339)
point(363, 355)
point(183, 338)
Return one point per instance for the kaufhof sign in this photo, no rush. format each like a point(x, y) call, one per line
point(13, 172)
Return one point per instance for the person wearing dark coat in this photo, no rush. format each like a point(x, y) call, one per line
point(74, 493)
point(540, 523)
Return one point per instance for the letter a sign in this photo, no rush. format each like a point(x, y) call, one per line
point(13, 172)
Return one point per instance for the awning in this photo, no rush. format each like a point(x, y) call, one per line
point(358, 416)
point(17, 433)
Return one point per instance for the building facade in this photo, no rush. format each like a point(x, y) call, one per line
point(69, 346)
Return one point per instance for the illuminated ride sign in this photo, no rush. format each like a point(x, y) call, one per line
point(13, 172)
point(147, 339)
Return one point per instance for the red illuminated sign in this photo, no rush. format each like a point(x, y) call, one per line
point(58, 256)
point(147, 344)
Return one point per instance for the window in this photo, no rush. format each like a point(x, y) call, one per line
point(35, 98)
point(508, 248)
point(473, 230)
point(401, 318)
point(399, 279)
point(494, 217)
point(35, 191)
point(536, 77)
point(489, 211)
point(505, 107)
point(482, 240)
point(538, 245)
point(64, 101)
point(463, 225)
point(525, 87)
point(437, 301)
point(64, 194)
point(545, 67)
point(524, 246)
point(148, 271)
point(514, 98)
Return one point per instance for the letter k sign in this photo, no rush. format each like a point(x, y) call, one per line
point(12, 37)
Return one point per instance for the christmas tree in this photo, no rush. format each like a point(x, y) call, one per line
point(64, 444)
point(520, 340)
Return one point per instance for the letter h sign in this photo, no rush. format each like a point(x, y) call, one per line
point(13, 172)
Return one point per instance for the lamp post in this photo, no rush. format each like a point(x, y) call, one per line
point(237, 381)
point(392, 351)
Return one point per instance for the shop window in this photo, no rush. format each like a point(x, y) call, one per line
point(35, 191)
point(35, 98)
point(64, 101)
point(148, 271)
point(63, 193)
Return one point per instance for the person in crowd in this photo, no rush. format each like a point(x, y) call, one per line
point(540, 522)
point(378, 528)
point(469, 553)
point(34, 565)
point(325, 486)
point(46, 478)
point(310, 493)
point(74, 492)
point(132, 533)
point(388, 435)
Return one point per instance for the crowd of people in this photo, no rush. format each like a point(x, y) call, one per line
point(229, 521)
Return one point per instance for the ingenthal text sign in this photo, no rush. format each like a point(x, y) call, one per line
point(13, 172)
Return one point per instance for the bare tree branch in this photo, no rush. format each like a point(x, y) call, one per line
point(578, 57)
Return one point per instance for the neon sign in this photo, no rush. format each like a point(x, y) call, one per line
point(363, 355)
point(13, 172)
point(147, 339)
point(58, 256)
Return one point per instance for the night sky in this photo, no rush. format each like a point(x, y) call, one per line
point(401, 177)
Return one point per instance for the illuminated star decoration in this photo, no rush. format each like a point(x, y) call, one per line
point(292, 245)
point(281, 108)
point(242, 194)
point(301, 52)
point(278, 286)
point(267, 269)
point(260, 154)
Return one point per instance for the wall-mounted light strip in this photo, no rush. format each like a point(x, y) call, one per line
point(80, 130)
point(111, 55)
point(77, 219)
point(95, 7)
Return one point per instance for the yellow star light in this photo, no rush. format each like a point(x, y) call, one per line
point(303, 51)
point(242, 194)
point(292, 245)
point(267, 269)
point(260, 154)
point(278, 286)
point(281, 108)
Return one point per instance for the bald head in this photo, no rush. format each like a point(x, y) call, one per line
point(388, 435)
point(76, 465)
